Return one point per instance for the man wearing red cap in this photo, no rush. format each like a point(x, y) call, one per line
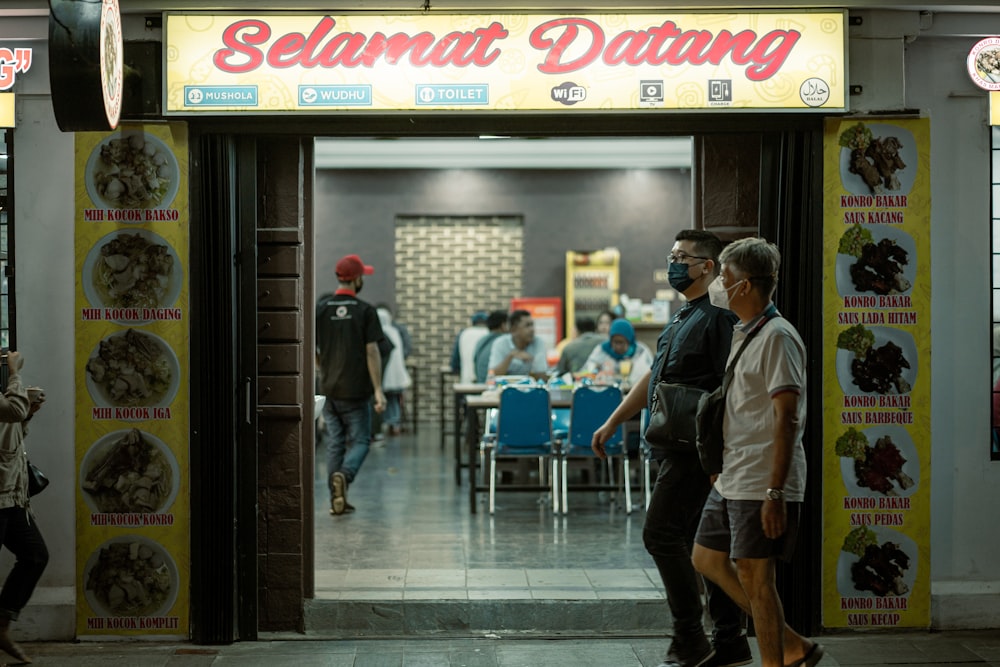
point(350, 371)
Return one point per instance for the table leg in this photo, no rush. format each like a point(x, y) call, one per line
point(473, 482)
point(458, 439)
point(444, 408)
point(416, 398)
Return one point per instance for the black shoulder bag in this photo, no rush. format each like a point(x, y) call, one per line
point(671, 425)
point(712, 410)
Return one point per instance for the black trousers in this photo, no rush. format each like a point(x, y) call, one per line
point(19, 533)
point(671, 521)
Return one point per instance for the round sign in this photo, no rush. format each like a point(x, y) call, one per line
point(85, 64)
point(111, 61)
point(984, 63)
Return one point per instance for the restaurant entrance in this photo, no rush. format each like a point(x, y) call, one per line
point(254, 209)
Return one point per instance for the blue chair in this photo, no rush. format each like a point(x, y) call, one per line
point(524, 429)
point(590, 408)
point(646, 452)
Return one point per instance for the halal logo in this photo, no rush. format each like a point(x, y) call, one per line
point(814, 92)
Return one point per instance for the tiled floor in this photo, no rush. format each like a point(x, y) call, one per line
point(970, 649)
point(413, 537)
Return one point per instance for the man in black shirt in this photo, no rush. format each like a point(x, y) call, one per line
point(692, 350)
point(350, 368)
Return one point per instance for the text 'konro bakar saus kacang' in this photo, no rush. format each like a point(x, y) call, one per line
point(873, 205)
point(251, 43)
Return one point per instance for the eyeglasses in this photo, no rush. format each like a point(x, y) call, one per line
point(683, 257)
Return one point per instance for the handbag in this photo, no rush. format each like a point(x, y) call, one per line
point(671, 423)
point(712, 411)
point(37, 481)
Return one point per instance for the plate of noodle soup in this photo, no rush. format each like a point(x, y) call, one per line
point(132, 269)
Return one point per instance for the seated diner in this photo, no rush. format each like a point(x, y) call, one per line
point(519, 352)
point(621, 358)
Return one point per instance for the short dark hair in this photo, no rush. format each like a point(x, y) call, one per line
point(706, 244)
point(586, 324)
point(516, 317)
point(496, 319)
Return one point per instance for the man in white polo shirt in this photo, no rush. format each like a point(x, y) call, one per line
point(752, 514)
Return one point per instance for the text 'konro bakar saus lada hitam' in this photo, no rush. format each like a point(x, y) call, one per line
point(251, 43)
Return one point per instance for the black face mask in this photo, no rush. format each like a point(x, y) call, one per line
point(678, 276)
point(359, 283)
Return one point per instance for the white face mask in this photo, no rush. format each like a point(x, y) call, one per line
point(718, 295)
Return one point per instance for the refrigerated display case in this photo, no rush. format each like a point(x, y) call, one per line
point(591, 282)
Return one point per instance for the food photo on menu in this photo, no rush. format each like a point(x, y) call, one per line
point(877, 159)
point(132, 169)
point(136, 269)
point(889, 467)
point(876, 561)
point(876, 360)
point(133, 368)
point(879, 265)
point(129, 472)
point(131, 576)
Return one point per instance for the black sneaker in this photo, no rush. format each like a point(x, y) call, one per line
point(731, 654)
point(690, 653)
point(338, 493)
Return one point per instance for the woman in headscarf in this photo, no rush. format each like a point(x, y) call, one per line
point(621, 356)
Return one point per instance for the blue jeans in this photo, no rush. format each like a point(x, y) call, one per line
point(393, 414)
point(671, 521)
point(19, 533)
point(347, 436)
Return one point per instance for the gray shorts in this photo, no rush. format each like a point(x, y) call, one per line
point(733, 527)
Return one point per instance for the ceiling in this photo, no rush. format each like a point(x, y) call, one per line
point(34, 7)
point(509, 6)
point(505, 153)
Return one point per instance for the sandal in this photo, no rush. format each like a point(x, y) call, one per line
point(811, 658)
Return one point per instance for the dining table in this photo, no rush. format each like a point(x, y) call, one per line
point(484, 400)
point(461, 391)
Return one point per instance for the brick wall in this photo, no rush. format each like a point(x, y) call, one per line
point(446, 269)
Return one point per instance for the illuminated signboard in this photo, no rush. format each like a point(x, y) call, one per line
point(7, 116)
point(12, 63)
point(288, 63)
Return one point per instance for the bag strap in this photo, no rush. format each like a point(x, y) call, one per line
point(678, 323)
point(731, 369)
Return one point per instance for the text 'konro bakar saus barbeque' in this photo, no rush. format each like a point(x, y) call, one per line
point(249, 43)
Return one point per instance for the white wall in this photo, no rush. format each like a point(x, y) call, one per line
point(966, 486)
point(44, 255)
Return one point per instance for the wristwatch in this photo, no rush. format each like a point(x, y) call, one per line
point(775, 494)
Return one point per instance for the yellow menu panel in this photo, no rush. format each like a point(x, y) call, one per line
point(132, 410)
point(876, 373)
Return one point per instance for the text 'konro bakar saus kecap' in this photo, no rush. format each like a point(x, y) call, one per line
point(350, 267)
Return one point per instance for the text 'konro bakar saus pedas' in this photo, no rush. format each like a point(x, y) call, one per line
point(250, 43)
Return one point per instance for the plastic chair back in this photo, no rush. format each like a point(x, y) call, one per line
point(592, 405)
point(524, 419)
